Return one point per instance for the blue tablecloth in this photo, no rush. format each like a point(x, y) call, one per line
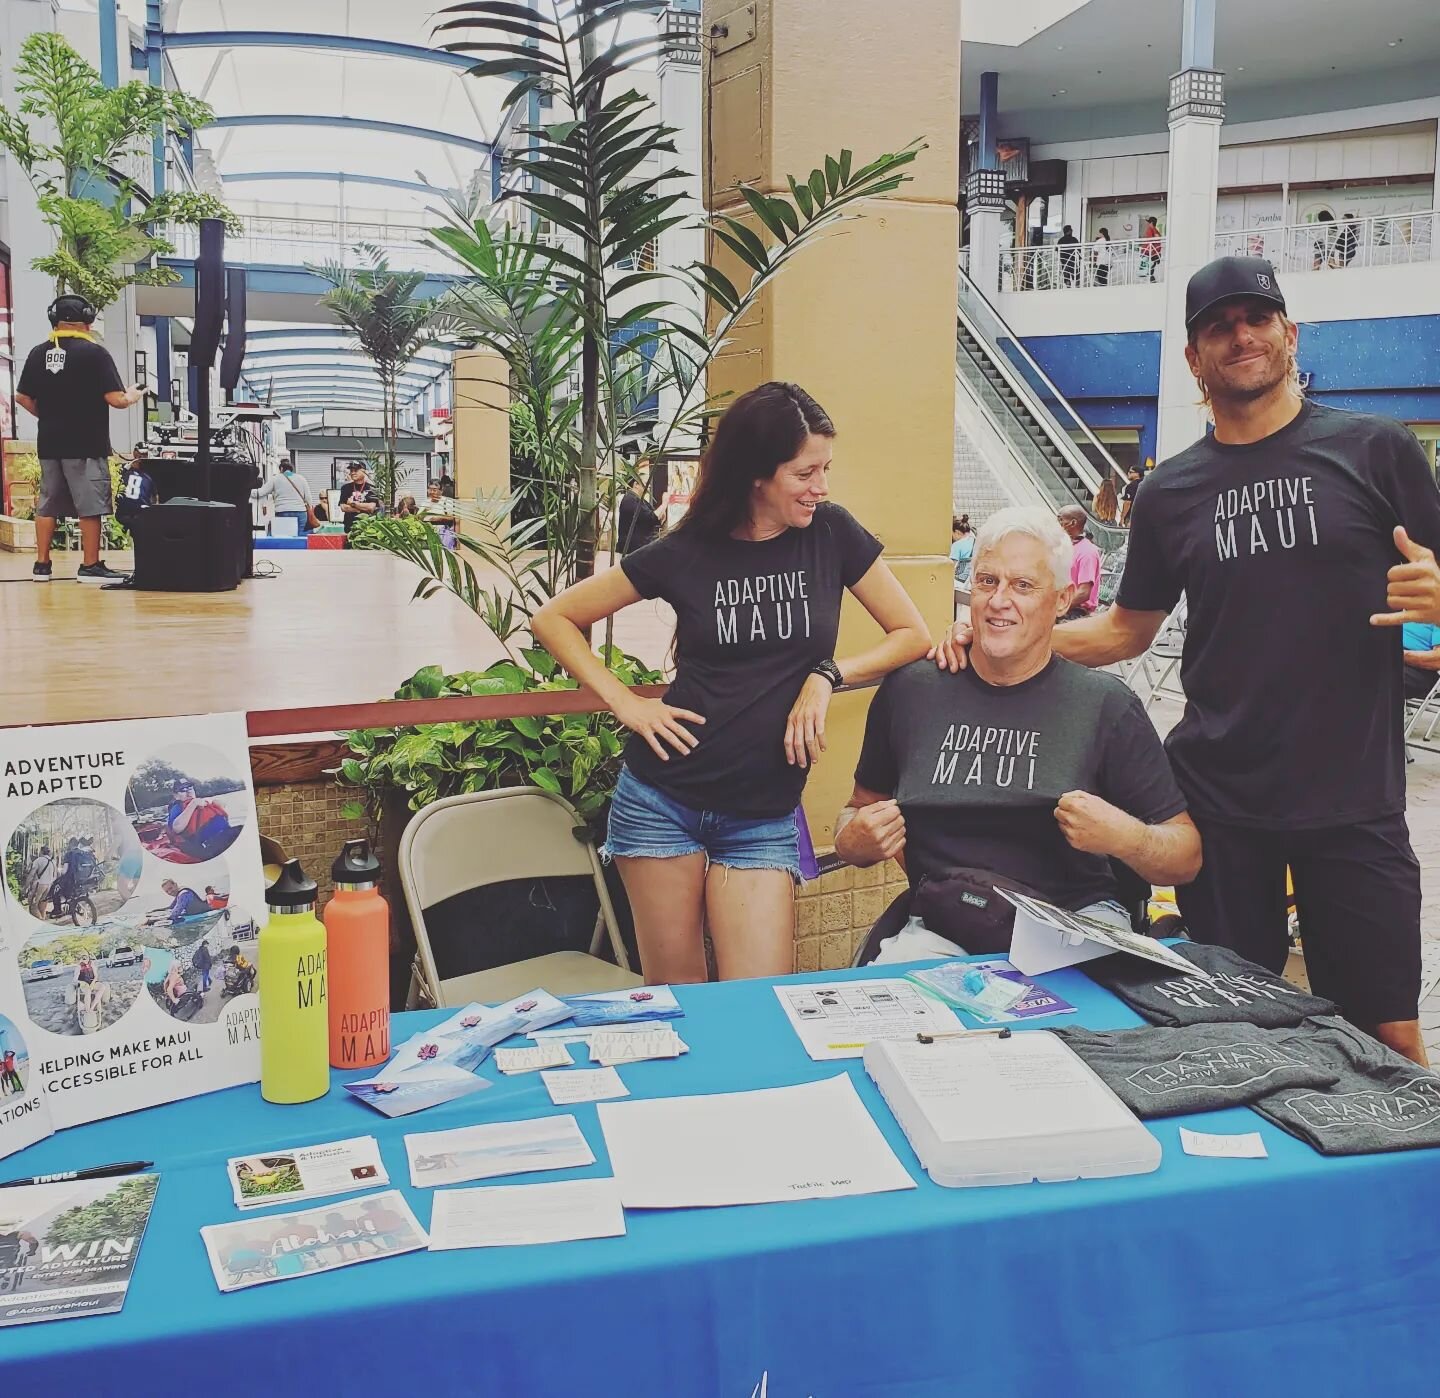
point(1294, 1274)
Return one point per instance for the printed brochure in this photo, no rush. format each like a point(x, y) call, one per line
point(293, 1174)
point(1037, 1003)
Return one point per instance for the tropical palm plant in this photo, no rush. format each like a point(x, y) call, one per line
point(391, 326)
point(562, 308)
point(104, 223)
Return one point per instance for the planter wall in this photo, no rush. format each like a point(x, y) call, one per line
point(17, 535)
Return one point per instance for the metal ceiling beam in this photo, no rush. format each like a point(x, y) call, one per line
point(322, 351)
point(347, 123)
point(342, 176)
point(330, 43)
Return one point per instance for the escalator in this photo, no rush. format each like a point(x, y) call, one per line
point(1049, 451)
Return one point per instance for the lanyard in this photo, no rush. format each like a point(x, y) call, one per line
point(57, 335)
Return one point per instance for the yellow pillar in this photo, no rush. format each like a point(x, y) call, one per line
point(865, 320)
point(480, 416)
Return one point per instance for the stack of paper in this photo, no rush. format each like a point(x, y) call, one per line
point(529, 1060)
point(506, 1148)
point(295, 1173)
point(584, 1085)
point(609, 1049)
point(281, 1246)
point(510, 1215)
point(645, 1002)
point(836, 1019)
point(439, 1064)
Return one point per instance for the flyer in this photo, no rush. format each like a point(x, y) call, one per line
point(296, 1173)
point(836, 1019)
point(280, 1246)
point(129, 911)
point(1037, 1002)
point(501, 1148)
point(402, 1095)
point(623, 1006)
point(69, 1249)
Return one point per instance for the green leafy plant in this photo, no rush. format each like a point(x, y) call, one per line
point(576, 756)
point(379, 533)
point(121, 1213)
point(567, 306)
point(104, 223)
point(391, 326)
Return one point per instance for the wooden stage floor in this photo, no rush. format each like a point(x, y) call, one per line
point(331, 628)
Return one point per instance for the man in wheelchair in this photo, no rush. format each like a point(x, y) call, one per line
point(1023, 770)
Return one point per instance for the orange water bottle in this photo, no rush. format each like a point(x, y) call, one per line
point(357, 935)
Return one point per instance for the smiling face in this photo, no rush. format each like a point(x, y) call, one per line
point(1014, 602)
point(1241, 350)
point(790, 497)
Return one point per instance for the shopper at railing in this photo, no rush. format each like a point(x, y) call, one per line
point(1069, 246)
point(702, 825)
point(1102, 257)
point(1152, 248)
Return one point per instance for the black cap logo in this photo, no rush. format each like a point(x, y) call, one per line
point(1263, 280)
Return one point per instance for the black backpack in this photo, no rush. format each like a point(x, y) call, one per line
point(137, 494)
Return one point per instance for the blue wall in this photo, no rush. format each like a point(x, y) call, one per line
point(1111, 380)
point(1389, 366)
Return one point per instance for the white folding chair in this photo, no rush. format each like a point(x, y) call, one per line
point(1155, 675)
point(490, 837)
point(1421, 718)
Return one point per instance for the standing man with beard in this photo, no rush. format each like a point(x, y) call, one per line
point(1297, 533)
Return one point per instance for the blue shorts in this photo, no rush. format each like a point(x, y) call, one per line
point(648, 824)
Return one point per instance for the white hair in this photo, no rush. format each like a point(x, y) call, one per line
point(1035, 523)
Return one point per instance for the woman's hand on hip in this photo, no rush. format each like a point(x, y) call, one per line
point(805, 728)
point(654, 720)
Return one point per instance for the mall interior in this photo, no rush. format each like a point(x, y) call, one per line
point(419, 319)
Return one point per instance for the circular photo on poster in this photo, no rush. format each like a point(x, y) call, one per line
point(195, 983)
point(80, 980)
point(73, 862)
point(172, 908)
point(187, 804)
point(14, 1061)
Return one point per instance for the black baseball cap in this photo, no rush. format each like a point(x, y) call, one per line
point(1226, 278)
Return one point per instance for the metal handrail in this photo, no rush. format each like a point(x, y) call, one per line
point(1081, 266)
point(974, 310)
point(1378, 240)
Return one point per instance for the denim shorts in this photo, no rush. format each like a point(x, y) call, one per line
point(648, 824)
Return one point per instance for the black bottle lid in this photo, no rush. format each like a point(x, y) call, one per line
point(293, 890)
point(355, 866)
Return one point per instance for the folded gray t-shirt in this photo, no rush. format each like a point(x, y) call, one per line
point(1200, 1068)
point(1242, 992)
point(1379, 1102)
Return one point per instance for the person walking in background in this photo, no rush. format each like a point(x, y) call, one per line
point(204, 963)
point(69, 384)
point(702, 825)
point(636, 523)
point(1102, 257)
point(1085, 562)
point(1325, 226)
point(1152, 246)
point(290, 495)
point(1133, 478)
point(1068, 244)
point(1107, 502)
point(962, 547)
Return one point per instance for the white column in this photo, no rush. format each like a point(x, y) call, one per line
point(985, 203)
point(1196, 115)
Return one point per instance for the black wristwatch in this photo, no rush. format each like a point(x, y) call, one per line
point(831, 671)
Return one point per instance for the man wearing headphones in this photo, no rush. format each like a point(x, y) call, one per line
point(70, 383)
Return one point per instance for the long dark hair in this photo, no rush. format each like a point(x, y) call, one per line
point(758, 433)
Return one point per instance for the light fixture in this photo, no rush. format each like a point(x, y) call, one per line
point(1393, 42)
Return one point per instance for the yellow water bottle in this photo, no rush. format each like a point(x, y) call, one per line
point(294, 1019)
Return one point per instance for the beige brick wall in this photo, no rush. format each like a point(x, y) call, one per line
point(834, 912)
point(304, 820)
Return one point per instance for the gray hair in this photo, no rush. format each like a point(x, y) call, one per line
point(1035, 523)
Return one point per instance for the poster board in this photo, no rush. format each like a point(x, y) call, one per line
point(130, 908)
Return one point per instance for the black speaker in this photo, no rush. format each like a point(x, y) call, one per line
point(233, 355)
point(232, 482)
point(187, 546)
point(209, 293)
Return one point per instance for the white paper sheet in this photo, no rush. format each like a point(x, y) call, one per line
point(584, 1085)
point(837, 1019)
point(1247, 1145)
point(504, 1148)
point(812, 1141)
point(531, 1060)
point(516, 1214)
point(607, 1049)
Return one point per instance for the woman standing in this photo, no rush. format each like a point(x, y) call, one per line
point(962, 546)
point(1102, 257)
point(702, 826)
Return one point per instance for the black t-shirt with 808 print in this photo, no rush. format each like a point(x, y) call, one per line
point(1293, 700)
point(751, 619)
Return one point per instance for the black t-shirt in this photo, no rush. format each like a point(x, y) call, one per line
point(638, 523)
point(68, 380)
point(1293, 700)
point(1131, 489)
point(751, 619)
point(361, 494)
point(978, 770)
